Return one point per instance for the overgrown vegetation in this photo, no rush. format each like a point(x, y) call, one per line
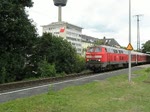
point(23, 54)
point(146, 47)
point(115, 94)
point(17, 36)
point(46, 69)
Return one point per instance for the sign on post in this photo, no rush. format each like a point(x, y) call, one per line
point(129, 47)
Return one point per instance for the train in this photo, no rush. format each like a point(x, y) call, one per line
point(102, 57)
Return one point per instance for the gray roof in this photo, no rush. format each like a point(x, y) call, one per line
point(110, 42)
point(106, 41)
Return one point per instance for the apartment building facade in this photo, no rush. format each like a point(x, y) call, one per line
point(70, 32)
point(73, 34)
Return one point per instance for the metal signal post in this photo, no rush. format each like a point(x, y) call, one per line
point(129, 77)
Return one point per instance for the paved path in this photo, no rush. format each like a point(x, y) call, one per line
point(145, 66)
point(60, 85)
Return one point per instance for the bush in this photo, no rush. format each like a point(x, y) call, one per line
point(3, 75)
point(57, 51)
point(80, 64)
point(46, 69)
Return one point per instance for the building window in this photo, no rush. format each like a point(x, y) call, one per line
point(70, 38)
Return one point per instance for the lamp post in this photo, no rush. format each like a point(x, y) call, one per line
point(129, 77)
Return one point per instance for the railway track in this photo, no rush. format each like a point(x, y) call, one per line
point(16, 90)
point(42, 81)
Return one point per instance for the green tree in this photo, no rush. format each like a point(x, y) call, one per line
point(46, 69)
point(98, 42)
point(17, 37)
point(3, 75)
point(80, 64)
point(57, 51)
point(146, 47)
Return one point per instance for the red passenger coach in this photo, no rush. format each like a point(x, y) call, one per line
point(105, 57)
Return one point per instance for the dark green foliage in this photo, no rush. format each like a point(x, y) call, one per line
point(46, 69)
point(16, 29)
point(80, 63)
point(57, 51)
point(22, 54)
point(14, 65)
point(3, 75)
point(17, 36)
point(146, 47)
point(20, 3)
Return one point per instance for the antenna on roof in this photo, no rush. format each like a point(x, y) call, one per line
point(59, 4)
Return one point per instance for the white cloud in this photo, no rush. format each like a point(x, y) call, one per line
point(99, 18)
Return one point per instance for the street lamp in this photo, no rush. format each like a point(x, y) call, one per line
point(129, 77)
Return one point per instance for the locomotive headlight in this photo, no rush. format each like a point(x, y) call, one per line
point(98, 56)
point(89, 56)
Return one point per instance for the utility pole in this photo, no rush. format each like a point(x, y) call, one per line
point(138, 32)
point(129, 54)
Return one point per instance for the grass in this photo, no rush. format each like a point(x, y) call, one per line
point(115, 94)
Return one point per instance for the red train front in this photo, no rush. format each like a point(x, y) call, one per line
point(95, 57)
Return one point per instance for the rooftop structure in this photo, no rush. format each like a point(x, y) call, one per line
point(59, 4)
point(110, 42)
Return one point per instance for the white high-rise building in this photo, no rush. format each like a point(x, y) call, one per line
point(70, 32)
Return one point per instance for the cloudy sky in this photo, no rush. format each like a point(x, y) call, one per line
point(98, 18)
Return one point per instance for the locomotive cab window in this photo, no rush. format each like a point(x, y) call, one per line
point(120, 51)
point(97, 49)
point(115, 51)
point(91, 49)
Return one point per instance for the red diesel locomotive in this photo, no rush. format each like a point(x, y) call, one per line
point(104, 57)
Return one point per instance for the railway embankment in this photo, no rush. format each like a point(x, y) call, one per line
point(38, 82)
point(113, 94)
